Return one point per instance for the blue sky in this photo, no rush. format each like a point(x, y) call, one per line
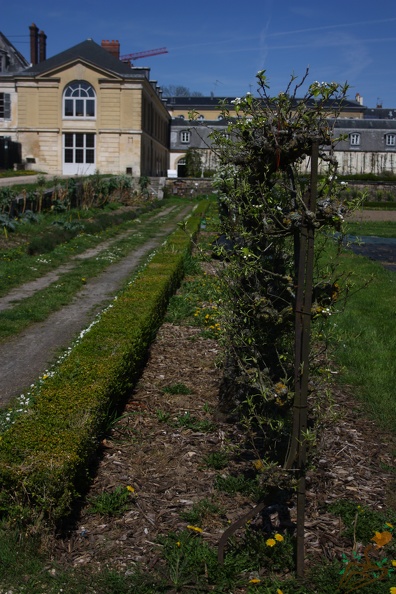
point(217, 46)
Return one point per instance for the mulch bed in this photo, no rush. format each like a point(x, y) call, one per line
point(165, 463)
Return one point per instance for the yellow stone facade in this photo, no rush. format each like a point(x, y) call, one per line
point(124, 139)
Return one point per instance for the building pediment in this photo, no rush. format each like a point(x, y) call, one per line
point(87, 54)
point(78, 67)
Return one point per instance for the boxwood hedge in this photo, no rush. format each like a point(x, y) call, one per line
point(45, 456)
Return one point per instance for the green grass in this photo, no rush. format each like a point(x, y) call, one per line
point(376, 229)
point(366, 338)
point(61, 292)
point(17, 266)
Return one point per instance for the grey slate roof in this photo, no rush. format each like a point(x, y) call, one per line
point(90, 52)
point(15, 59)
point(214, 103)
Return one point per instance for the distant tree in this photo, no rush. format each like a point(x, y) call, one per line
point(193, 163)
point(179, 91)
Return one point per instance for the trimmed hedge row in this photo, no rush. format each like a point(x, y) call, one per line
point(46, 454)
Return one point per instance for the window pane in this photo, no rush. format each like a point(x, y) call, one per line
point(80, 140)
point(89, 156)
point(79, 107)
point(90, 140)
point(68, 107)
point(79, 156)
point(90, 108)
point(68, 155)
point(68, 139)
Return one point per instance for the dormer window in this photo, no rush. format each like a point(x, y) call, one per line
point(79, 100)
point(390, 140)
point(354, 139)
point(185, 136)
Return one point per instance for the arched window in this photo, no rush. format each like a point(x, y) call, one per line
point(79, 100)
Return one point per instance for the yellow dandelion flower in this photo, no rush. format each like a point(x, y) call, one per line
point(279, 537)
point(382, 538)
point(254, 581)
point(258, 464)
point(130, 489)
point(392, 590)
point(194, 528)
point(270, 542)
point(178, 544)
point(279, 591)
point(393, 562)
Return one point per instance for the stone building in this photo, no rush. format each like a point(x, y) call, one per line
point(368, 142)
point(85, 110)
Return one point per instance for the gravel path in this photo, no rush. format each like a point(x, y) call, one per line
point(28, 355)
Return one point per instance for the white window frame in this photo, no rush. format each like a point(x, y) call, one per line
point(79, 153)
point(5, 106)
point(185, 136)
point(354, 139)
point(79, 101)
point(390, 140)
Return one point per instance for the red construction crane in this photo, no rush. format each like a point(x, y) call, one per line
point(138, 55)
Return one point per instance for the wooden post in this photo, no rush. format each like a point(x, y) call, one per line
point(304, 246)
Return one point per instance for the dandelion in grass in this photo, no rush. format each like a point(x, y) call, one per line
point(393, 562)
point(130, 489)
point(279, 537)
point(392, 590)
point(382, 538)
point(271, 542)
point(254, 581)
point(194, 528)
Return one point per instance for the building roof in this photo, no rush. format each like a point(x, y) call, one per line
point(15, 60)
point(88, 51)
point(365, 124)
point(213, 102)
point(380, 113)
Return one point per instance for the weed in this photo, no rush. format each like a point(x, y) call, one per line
point(200, 511)
point(112, 503)
point(162, 417)
point(216, 460)
point(177, 388)
point(238, 484)
point(188, 421)
point(360, 523)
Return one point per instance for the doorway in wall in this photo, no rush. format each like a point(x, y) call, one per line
point(79, 153)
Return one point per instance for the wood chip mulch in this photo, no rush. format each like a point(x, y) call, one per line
point(165, 463)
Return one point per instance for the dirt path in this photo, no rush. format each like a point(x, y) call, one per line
point(28, 355)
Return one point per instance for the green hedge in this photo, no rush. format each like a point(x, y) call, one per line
point(46, 454)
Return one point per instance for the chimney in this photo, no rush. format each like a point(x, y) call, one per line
point(33, 43)
point(42, 40)
point(113, 47)
point(359, 98)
